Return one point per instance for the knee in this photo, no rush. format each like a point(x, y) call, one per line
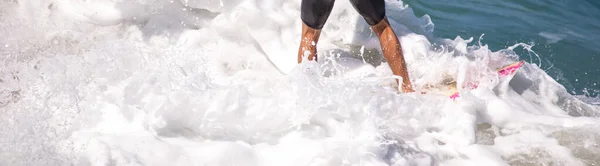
point(373, 11)
point(314, 13)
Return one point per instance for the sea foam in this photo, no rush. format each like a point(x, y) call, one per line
point(197, 82)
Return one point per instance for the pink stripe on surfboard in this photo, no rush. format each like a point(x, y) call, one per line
point(454, 96)
point(510, 69)
point(503, 72)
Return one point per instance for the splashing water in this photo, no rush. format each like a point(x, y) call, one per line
point(189, 83)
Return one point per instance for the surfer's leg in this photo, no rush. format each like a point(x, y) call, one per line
point(314, 14)
point(373, 11)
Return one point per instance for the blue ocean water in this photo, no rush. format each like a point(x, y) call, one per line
point(564, 34)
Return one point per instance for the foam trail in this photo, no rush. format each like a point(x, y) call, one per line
point(196, 83)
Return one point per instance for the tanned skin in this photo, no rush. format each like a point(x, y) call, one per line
point(390, 46)
point(310, 38)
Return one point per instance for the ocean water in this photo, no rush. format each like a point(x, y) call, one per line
point(214, 82)
point(563, 35)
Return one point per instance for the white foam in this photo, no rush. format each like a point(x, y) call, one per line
point(168, 83)
point(552, 38)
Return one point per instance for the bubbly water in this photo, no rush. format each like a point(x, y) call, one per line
point(214, 82)
point(563, 35)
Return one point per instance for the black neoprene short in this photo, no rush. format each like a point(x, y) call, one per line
point(314, 13)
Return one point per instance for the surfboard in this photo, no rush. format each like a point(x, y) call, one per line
point(451, 89)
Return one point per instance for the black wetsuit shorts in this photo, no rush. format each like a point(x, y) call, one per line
point(314, 13)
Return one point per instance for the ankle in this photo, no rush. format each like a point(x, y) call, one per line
point(308, 43)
